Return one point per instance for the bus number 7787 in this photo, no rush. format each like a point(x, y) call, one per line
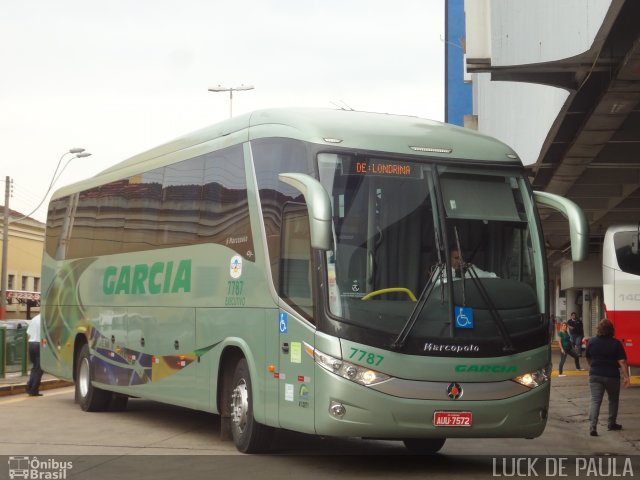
point(363, 355)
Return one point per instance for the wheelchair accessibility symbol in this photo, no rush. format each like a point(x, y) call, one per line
point(283, 322)
point(464, 317)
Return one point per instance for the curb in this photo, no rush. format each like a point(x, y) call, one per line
point(18, 388)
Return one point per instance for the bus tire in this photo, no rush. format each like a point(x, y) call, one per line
point(90, 398)
point(248, 435)
point(424, 446)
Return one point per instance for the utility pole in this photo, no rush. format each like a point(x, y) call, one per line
point(5, 249)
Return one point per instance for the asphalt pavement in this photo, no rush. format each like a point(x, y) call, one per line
point(568, 424)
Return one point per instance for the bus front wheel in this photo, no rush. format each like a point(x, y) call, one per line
point(424, 446)
point(90, 398)
point(248, 435)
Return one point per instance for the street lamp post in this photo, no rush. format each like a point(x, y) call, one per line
point(220, 88)
point(5, 243)
point(77, 153)
point(82, 154)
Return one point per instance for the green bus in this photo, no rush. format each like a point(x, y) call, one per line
point(291, 269)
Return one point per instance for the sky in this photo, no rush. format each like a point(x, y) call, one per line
point(119, 77)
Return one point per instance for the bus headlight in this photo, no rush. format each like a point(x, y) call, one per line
point(534, 379)
point(350, 371)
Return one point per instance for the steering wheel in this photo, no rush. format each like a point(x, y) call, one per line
point(390, 290)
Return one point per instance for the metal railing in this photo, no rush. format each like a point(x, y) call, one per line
point(13, 349)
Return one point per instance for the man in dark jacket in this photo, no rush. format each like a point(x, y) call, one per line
point(576, 332)
point(607, 359)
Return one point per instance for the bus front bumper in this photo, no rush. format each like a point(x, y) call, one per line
point(344, 408)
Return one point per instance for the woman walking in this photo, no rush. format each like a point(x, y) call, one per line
point(607, 358)
point(566, 348)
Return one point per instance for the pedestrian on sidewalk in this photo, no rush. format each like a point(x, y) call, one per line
point(607, 358)
point(566, 348)
point(33, 333)
point(576, 332)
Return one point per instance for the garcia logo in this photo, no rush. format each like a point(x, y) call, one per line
point(159, 277)
point(32, 468)
point(486, 368)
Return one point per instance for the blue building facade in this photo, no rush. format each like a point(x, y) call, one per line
point(458, 94)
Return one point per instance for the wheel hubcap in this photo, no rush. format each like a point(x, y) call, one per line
point(84, 377)
point(240, 405)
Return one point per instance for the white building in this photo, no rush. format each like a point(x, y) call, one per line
point(559, 81)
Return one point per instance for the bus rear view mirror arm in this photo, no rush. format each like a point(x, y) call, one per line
point(318, 205)
point(578, 226)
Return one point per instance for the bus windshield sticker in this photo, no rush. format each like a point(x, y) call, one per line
point(464, 317)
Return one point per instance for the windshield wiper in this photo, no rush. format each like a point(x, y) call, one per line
point(495, 315)
point(436, 273)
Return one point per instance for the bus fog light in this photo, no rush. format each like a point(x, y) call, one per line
point(337, 409)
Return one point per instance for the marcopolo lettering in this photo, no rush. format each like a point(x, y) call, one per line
point(434, 347)
point(486, 368)
point(159, 277)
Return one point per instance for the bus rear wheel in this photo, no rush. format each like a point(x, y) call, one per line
point(248, 435)
point(424, 446)
point(90, 398)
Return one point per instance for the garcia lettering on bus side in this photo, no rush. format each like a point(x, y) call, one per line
point(154, 279)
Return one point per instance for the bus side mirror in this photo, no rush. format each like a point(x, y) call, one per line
point(578, 226)
point(318, 205)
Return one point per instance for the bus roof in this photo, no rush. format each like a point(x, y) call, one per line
point(388, 133)
point(626, 227)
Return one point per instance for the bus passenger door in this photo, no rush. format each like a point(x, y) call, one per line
point(295, 391)
point(296, 326)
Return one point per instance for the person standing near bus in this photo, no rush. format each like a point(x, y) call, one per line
point(576, 332)
point(33, 332)
point(607, 358)
point(566, 348)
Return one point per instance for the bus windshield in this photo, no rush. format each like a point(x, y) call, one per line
point(451, 250)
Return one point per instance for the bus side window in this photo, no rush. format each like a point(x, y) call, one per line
point(628, 261)
point(295, 259)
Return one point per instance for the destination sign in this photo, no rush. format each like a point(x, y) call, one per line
point(385, 168)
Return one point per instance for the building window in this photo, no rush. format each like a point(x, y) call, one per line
point(12, 282)
point(36, 284)
point(25, 281)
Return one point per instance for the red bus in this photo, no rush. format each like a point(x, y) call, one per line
point(621, 285)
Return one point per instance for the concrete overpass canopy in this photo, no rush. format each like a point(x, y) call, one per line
point(560, 83)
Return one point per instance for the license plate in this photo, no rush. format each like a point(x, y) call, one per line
point(452, 419)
